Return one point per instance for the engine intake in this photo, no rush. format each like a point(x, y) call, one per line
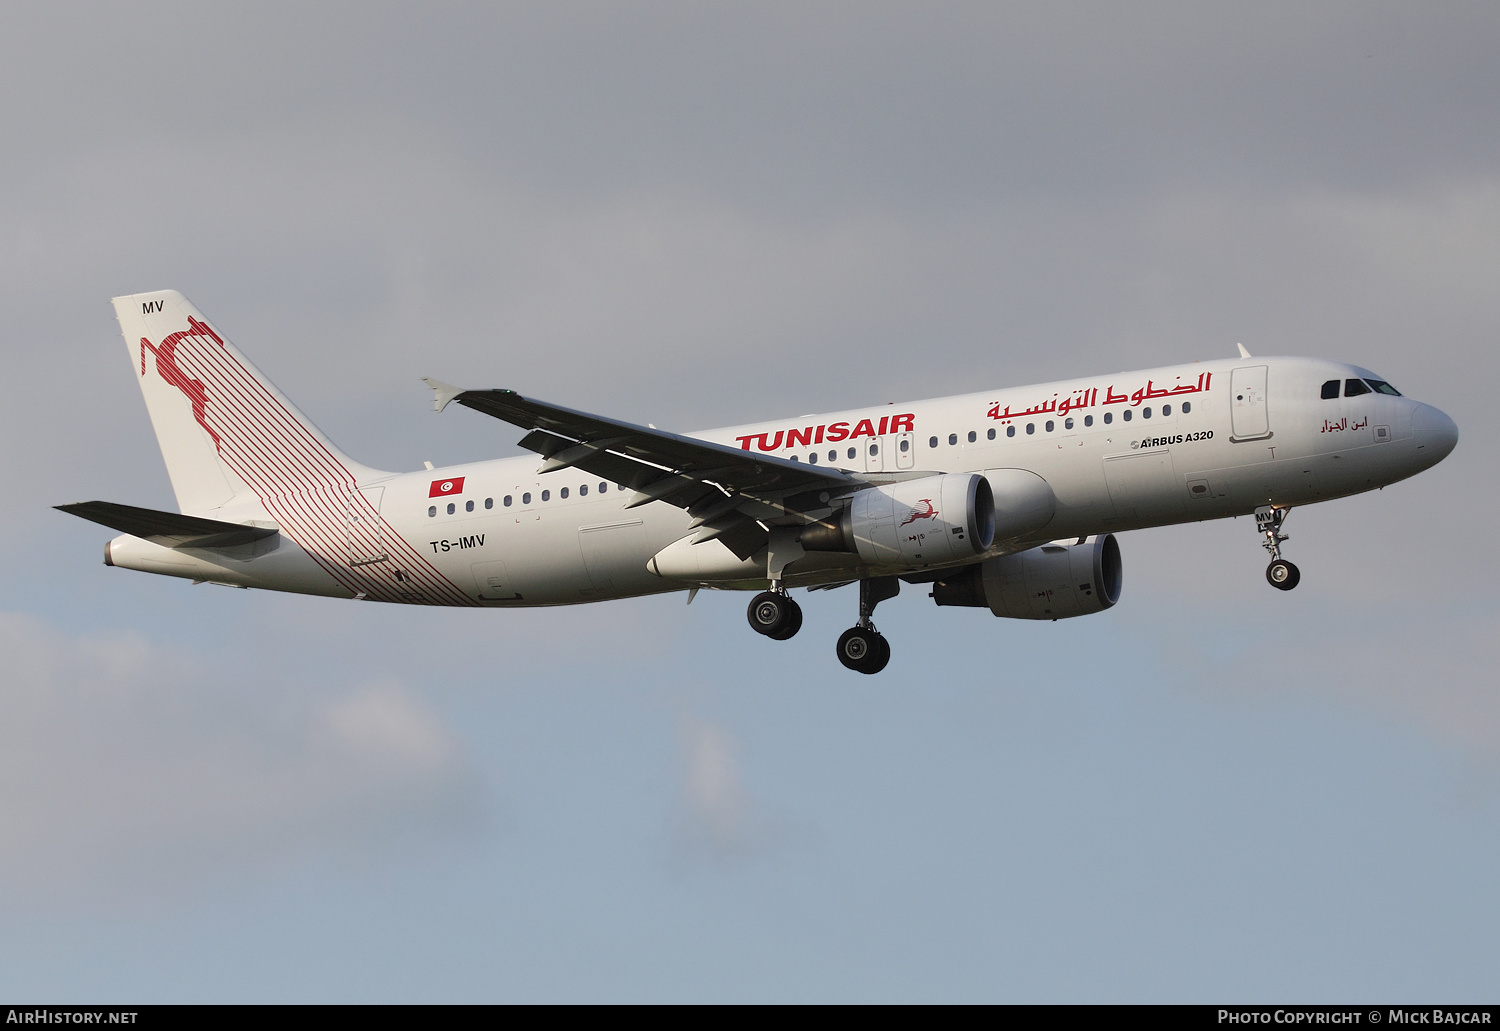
point(1054, 581)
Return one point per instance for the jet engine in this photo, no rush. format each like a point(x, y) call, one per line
point(1054, 581)
point(928, 521)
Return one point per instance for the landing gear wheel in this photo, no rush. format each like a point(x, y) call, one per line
point(793, 622)
point(772, 614)
point(863, 650)
point(1282, 575)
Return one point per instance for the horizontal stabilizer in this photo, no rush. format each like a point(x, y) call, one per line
point(169, 529)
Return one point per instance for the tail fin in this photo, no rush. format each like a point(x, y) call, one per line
point(225, 431)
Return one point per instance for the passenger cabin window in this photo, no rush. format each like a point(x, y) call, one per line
point(603, 487)
point(489, 502)
point(990, 433)
point(952, 439)
point(583, 490)
point(431, 511)
point(506, 502)
point(1088, 420)
point(932, 442)
point(1355, 387)
point(812, 459)
point(526, 498)
point(973, 436)
point(450, 508)
point(1068, 423)
point(1330, 390)
point(563, 493)
point(1109, 417)
point(852, 453)
point(1145, 413)
point(1010, 431)
point(1031, 427)
point(1382, 387)
point(1126, 415)
point(1187, 406)
point(1166, 410)
point(1050, 424)
point(468, 506)
point(546, 495)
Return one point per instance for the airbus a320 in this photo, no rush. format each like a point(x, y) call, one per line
point(1007, 499)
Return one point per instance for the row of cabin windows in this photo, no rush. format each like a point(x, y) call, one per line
point(1050, 425)
point(562, 494)
point(1354, 387)
point(1010, 431)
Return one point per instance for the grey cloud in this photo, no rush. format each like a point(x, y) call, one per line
point(133, 770)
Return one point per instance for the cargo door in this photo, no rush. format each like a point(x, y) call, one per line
point(493, 582)
point(615, 555)
point(1142, 485)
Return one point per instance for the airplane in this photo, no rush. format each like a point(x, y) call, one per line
point(1007, 499)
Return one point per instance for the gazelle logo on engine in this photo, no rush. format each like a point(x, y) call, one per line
point(927, 512)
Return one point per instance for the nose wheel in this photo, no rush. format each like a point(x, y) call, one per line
point(1280, 574)
point(774, 614)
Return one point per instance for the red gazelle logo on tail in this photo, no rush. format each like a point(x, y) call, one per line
point(166, 366)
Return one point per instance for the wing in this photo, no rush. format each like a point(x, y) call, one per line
point(167, 528)
point(731, 494)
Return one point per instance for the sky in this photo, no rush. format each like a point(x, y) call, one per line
point(699, 215)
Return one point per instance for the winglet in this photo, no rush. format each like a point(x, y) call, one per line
point(442, 392)
point(1243, 353)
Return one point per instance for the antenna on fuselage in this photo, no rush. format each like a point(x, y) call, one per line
point(1243, 353)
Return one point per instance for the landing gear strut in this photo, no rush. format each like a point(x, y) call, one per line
point(1280, 574)
point(862, 648)
point(775, 614)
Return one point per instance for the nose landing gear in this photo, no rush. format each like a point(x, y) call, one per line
point(1280, 574)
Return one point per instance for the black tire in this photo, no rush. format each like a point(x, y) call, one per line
point(863, 651)
point(769, 613)
point(1282, 575)
point(793, 622)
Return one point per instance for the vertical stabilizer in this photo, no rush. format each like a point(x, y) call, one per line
point(225, 431)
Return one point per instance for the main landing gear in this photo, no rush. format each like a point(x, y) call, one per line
point(775, 614)
point(1281, 574)
point(862, 648)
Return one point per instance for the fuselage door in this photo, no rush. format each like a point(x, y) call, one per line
point(906, 450)
point(1248, 419)
point(874, 448)
point(364, 527)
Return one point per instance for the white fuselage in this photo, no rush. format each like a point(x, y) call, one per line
point(1150, 448)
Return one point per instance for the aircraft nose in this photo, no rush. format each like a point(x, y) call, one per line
point(1436, 434)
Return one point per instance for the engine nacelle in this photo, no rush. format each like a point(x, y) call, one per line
point(1055, 581)
point(912, 523)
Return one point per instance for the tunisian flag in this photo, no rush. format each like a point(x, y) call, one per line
point(442, 488)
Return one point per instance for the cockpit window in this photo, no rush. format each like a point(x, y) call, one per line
point(1330, 389)
point(1382, 387)
point(1355, 387)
